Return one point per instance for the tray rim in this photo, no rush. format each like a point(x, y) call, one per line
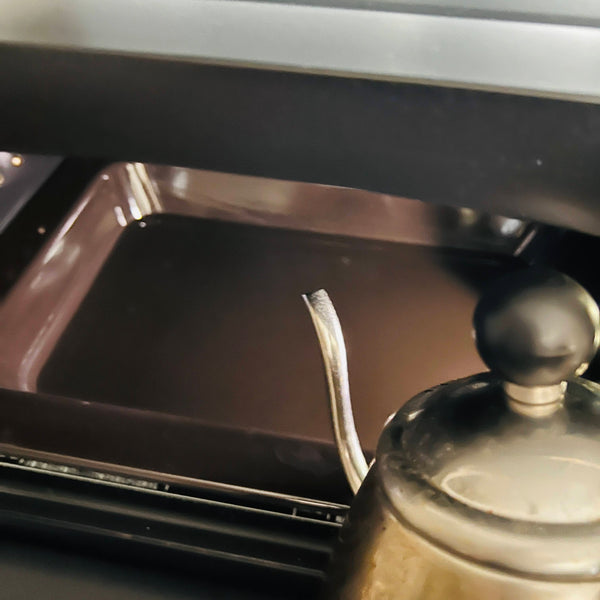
point(36, 311)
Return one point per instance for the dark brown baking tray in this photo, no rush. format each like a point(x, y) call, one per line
point(161, 328)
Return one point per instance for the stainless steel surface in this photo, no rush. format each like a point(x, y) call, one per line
point(537, 49)
point(468, 501)
point(537, 328)
point(79, 468)
point(424, 524)
point(333, 349)
point(284, 537)
point(383, 557)
point(20, 177)
point(537, 401)
point(537, 394)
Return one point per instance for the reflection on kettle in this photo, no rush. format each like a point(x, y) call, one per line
point(486, 487)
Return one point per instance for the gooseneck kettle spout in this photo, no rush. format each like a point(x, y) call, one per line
point(333, 349)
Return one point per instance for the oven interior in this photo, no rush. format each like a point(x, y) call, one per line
point(162, 394)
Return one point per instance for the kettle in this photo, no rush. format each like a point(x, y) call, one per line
point(485, 488)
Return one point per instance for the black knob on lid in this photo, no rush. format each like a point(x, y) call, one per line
point(537, 327)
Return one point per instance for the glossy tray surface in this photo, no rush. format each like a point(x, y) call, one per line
point(170, 299)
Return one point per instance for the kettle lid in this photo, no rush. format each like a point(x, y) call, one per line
point(504, 467)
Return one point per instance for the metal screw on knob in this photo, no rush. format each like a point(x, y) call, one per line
point(537, 328)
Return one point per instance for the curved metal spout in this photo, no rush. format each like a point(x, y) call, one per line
point(333, 349)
